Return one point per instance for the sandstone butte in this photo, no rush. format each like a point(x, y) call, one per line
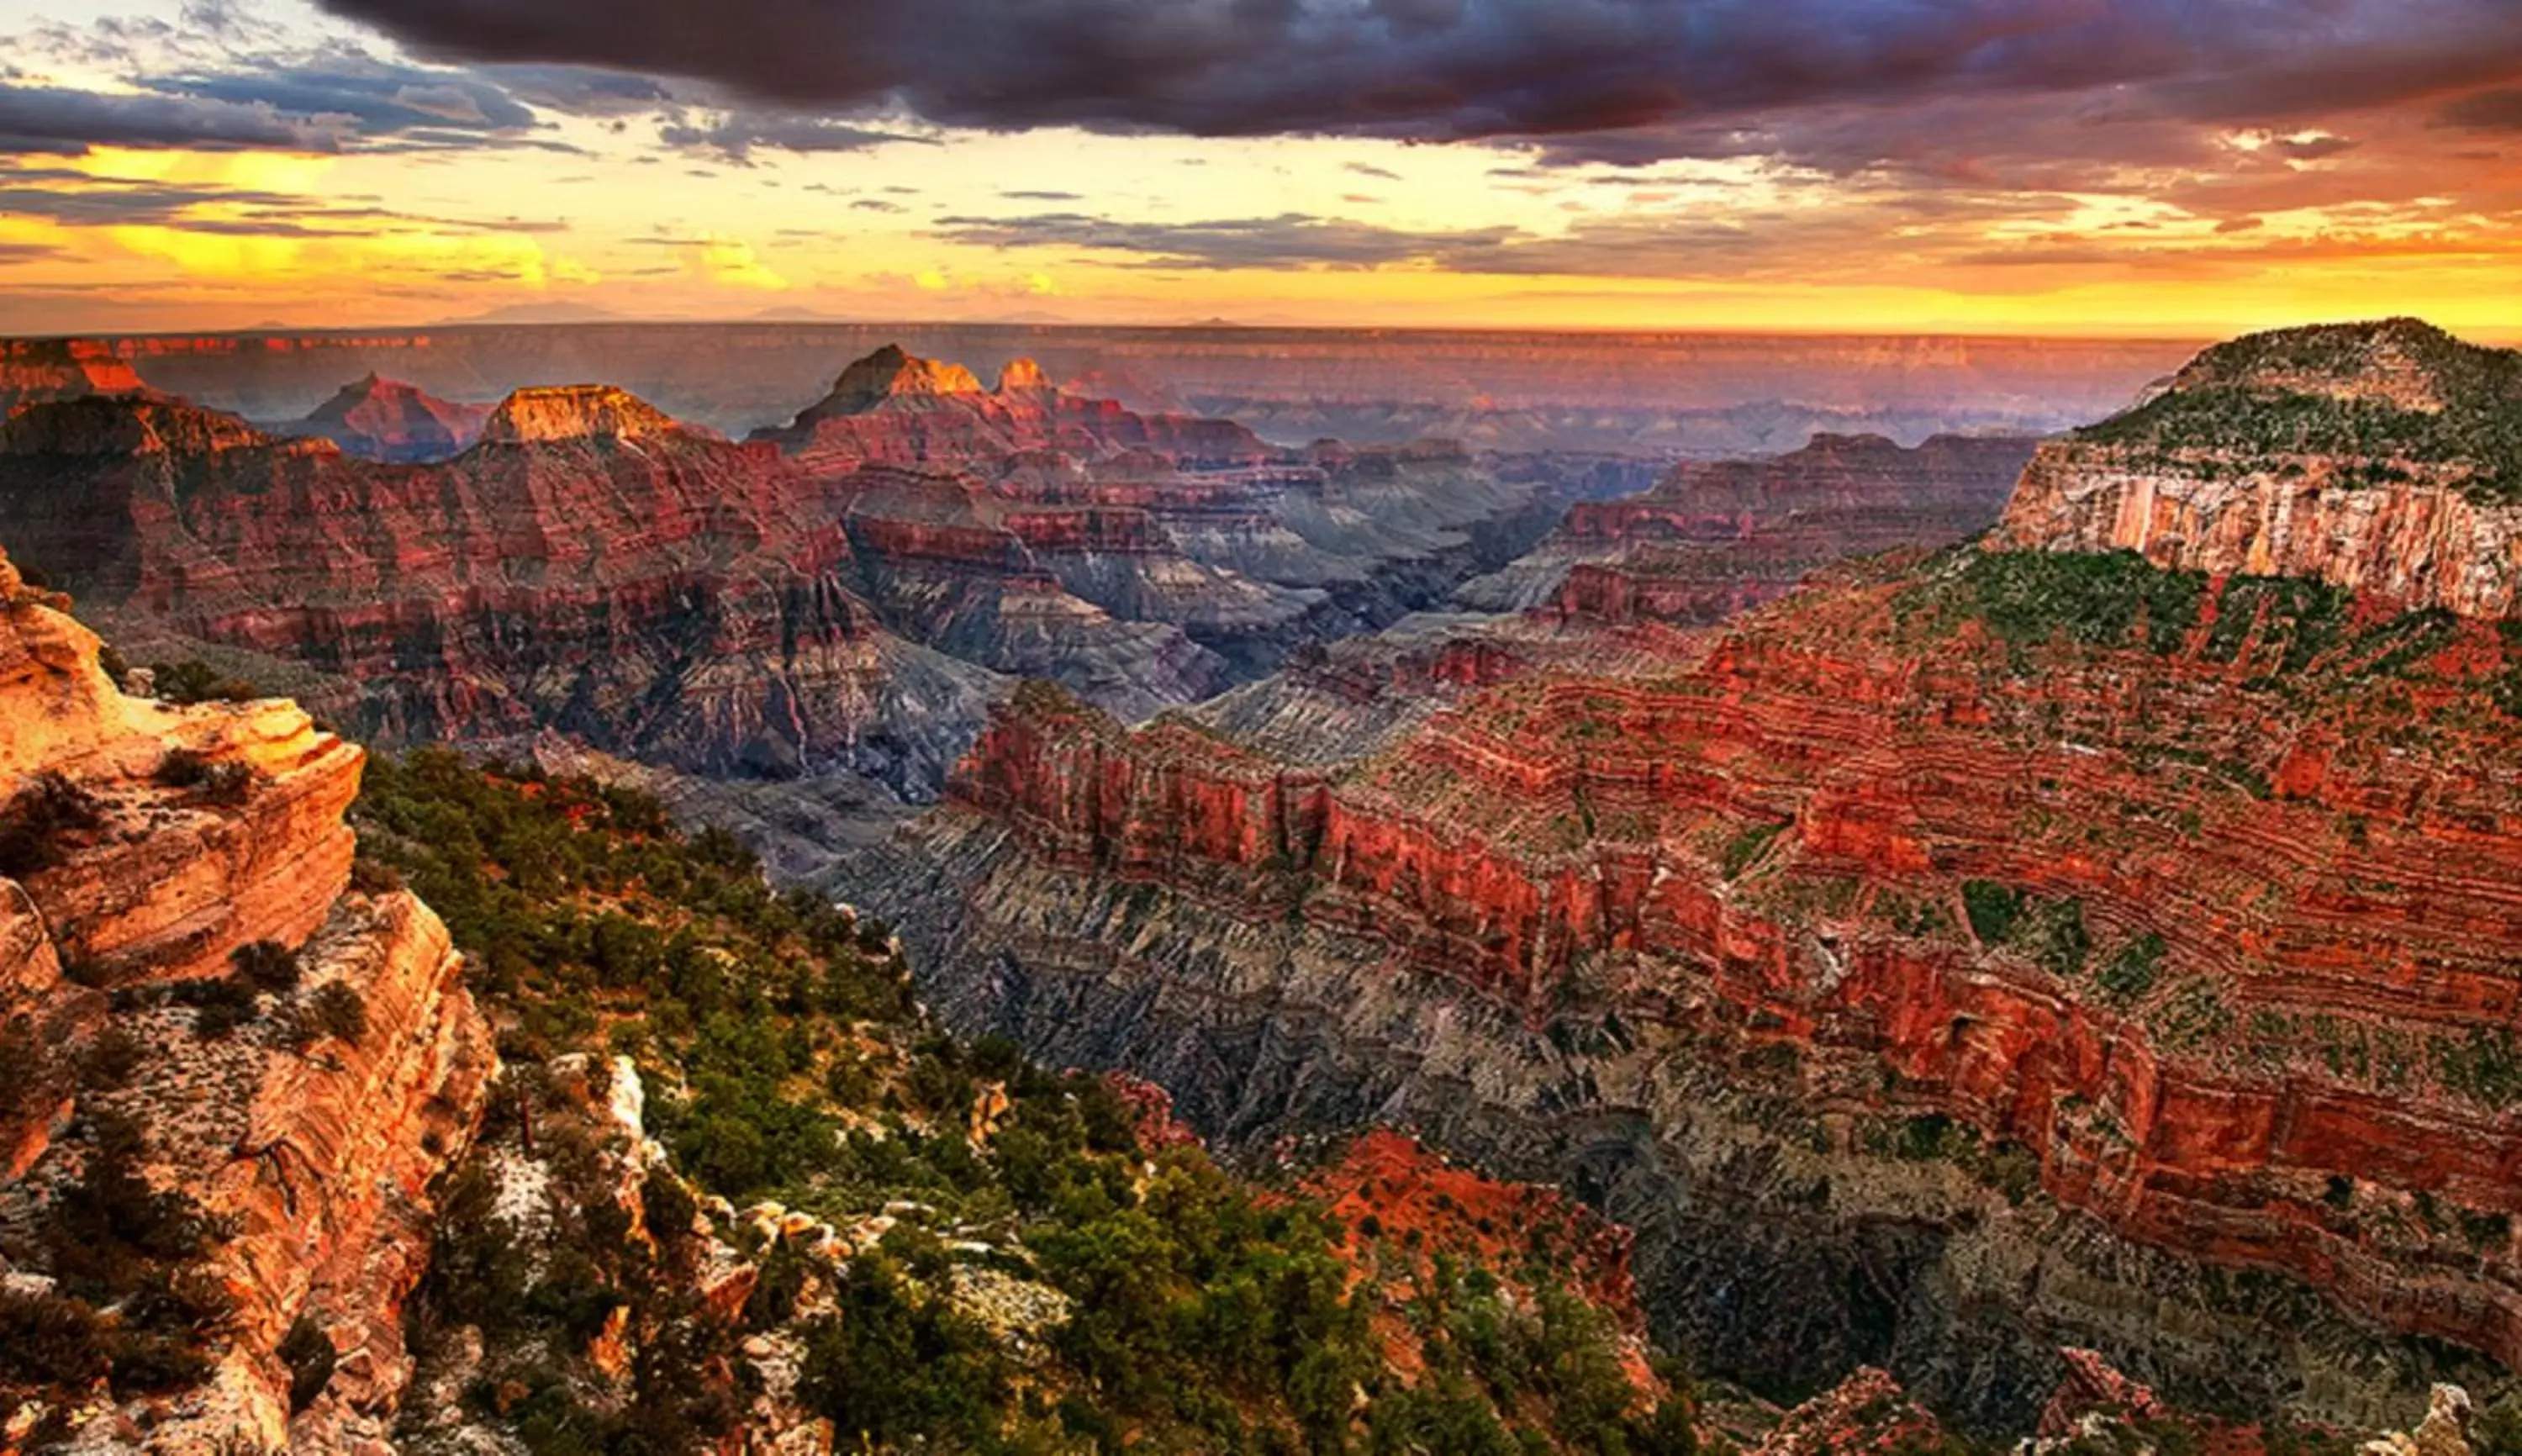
point(2199, 887)
point(892, 408)
point(319, 1160)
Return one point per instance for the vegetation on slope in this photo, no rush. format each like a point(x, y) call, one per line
point(2318, 390)
point(1010, 1269)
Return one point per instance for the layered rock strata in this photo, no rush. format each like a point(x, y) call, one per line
point(383, 419)
point(1715, 538)
point(2384, 458)
point(1956, 958)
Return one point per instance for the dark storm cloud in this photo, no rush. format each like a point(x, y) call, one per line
point(1444, 70)
point(378, 99)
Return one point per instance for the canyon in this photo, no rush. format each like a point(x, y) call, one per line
point(2021, 944)
point(2073, 936)
point(1715, 538)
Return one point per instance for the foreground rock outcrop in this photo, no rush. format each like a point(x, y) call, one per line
point(232, 1075)
point(1964, 956)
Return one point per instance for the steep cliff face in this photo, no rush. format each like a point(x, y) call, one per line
point(587, 565)
point(233, 1189)
point(1961, 956)
point(2386, 458)
point(590, 566)
point(1715, 538)
point(382, 419)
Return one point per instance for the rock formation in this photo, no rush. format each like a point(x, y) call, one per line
point(1715, 538)
point(2385, 458)
point(153, 848)
point(1967, 952)
point(587, 566)
point(381, 419)
point(35, 370)
point(1703, 395)
point(894, 409)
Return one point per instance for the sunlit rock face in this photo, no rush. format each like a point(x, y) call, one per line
point(2385, 458)
point(589, 565)
point(313, 1159)
point(2022, 944)
point(35, 370)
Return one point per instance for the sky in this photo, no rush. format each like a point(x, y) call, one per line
point(2171, 167)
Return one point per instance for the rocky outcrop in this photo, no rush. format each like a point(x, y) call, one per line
point(2379, 457)
point(382, 419)
point(194, 833)
point(1715, 538)
point(1864, 1414)
point(573, 413)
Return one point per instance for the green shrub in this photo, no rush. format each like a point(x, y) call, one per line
point(211, 781)
point(337, 1010)
point(266, 965)
point(1992, 908)
point(193, 680)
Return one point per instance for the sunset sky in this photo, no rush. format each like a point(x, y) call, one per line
point(2019, 166)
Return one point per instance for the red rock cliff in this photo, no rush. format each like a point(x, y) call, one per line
point(2210, 917)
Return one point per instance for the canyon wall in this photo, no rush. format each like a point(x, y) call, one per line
point(1966, 954)
point(1715, 538)
point(2384, 458)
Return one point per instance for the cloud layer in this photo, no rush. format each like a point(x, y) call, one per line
point(1455, 69)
